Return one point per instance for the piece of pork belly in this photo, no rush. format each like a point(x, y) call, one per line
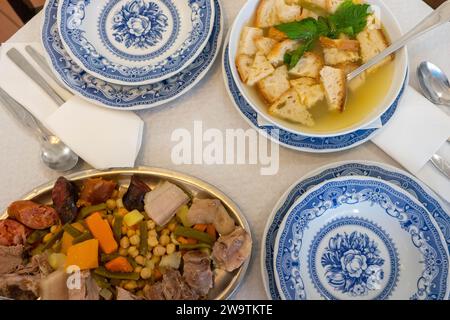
point(230, 251)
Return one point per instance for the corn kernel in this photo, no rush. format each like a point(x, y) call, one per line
point(123, 252)
point(111, 204)
point(172, 226)
point(153, 233)
point(159, 251)
point(134, 240)
point(170, 248)
point(130, 233)
point(138, 269)
point(124, 242)
point(151, 224)
point(47, 237)
point(146, 273)
point(152, 241)
point(164, 240)
point(119, 203)
point(130, 285)
point(140, 260)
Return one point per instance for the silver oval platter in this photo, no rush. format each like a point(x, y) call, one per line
point(225, 283)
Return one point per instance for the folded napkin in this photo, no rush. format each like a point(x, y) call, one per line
point(104, 138)
point(416, 132)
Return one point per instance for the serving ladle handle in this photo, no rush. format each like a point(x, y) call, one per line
point(438, 17)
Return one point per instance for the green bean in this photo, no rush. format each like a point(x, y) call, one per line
point(74, 232)
point(194, 234)
point(86, 211)
point(143, 246)
point(36, 236)
point(85, 236)
point(117, 228)
point(101, 271)
point(194, 246)
point(37, 250)
point(102, 282)
point(108, 257)
point(132, 262)
point(106, 294)
point(55, 237)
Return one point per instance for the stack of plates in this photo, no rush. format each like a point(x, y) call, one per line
point(132, 54)
point(357, 231)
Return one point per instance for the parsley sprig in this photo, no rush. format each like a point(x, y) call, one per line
point(349, 19)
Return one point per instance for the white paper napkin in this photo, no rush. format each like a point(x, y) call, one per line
point(416, 132)
point(102, 137)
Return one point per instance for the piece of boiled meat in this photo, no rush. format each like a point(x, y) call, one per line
point(154, 292)
point(54, 286)
point(162, 203)
point(19, 287)
point(174, 287)
point(12, 233)
point(10, 258)
point(88, 289)
point(65, 197)
point(207, 211)
point(133, 199)
point(96, 190)
point(123, 294)
point(197, 271)
point(230, 251)
point(33, 215)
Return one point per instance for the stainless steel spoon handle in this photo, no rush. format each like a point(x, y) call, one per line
point(438, 17)
point(23, 115)
point(29, 70)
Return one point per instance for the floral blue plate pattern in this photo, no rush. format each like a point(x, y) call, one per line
point(125, 97)
point(296, 141)
point(407, 182)
point(360, 238)
point(135, 42)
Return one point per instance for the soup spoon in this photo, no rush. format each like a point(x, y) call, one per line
point(54, 153)
point(438, 17)
point(434, 83)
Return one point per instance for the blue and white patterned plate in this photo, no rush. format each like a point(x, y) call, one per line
point(135, 42)
point(296, 141)
point(360, 238)
point(125, 97)
point(415, 188)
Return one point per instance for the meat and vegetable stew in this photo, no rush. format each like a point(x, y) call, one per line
point(123, 242)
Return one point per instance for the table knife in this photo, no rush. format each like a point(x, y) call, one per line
point(441, 164)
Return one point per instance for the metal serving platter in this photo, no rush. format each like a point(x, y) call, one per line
point(225, 283)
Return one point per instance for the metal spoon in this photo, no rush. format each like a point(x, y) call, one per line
point(54, 153)
point(434, 83)
point(438, 17)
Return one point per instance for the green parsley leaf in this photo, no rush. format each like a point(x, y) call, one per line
point(349, 18)
point(323, 28)
point(297, 54)
point(305, 29)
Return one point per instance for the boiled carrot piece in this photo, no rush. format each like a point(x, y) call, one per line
point(101, 230)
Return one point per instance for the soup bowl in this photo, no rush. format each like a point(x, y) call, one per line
point(400, 67)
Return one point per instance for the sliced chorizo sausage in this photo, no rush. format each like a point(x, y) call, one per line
point(33, 215)
point(133, 199)
point(96, 190)
point(65, 197)
point(12, 233)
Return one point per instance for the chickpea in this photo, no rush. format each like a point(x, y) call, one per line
point(130, 233)
point(47, 237)
point(172, 226)
point(122, 211)
point(138, 269)
point(125, 242)
point(170, 248)
point(134, 240)
point(155, 260)
point(140, 260)
point(153, 233)
point(146, 273)
point(123, 252)
point(165, 231)
point(54, 229)
point(151, 224)
point(119, 203)
point(111, 204)
point(164, 240)
point(152, 241)
point(159, 251)
point(130, 285)
point(133, 252)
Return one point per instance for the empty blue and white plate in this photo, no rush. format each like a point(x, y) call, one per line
point(135, 42)
point(360, 238)
point(296, 141)
point(125, 97)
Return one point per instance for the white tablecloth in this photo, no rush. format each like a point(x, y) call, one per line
point(21, 169)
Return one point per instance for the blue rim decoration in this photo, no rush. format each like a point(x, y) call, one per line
point(299, 142)
point(403, 180)
point(396, 206)
point(354, 245)
point(125, 97)
point(124, 36)
point(72, 15)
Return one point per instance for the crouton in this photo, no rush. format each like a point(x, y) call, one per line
point(309, 14)
point(314, 5)
point(372, 42)
point(309, 91)
point(348, 68)
point(341, 44)
point(334, 83)
point(332, 5)
point(276, 34)
point(276, 55)
point(273, 86)
point(288, 13)
point(265, 44)
point(266, 14)
point(337, 51)
point(247, 42)
point(289, 107)
point(308, 66)
point(243, 64)
point(260, 69)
